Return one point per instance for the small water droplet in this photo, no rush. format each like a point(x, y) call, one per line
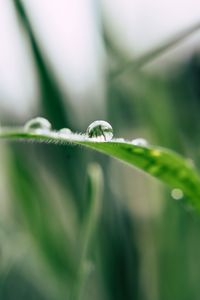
point(121, 140)
point(177, 194)
point(101, 130)
point(37, 124)
point(65, 131)
point(140, 142)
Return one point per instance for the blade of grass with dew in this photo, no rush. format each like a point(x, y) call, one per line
point(162, 163)
point(155, 52)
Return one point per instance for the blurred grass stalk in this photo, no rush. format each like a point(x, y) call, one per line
point(88, 228)
point(158, 50)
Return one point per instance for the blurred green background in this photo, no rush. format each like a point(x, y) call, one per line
point(75, 224)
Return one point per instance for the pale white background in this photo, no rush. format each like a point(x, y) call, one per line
point(69, 33)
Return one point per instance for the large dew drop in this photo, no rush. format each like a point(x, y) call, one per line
point(38, 124)
point(101, 130)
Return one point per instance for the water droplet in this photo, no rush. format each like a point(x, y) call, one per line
point(65, 131)
point(177, 194)
point(140, 142)
point(101, 130)
point(120, 140)
point(38, 124)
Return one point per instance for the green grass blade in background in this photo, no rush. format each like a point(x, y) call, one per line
point(93, 206)
point(159, 162)
point(156, 51)
point(53, 104)
point(89, 227)
point(41, 219)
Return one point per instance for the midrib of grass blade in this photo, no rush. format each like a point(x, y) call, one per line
point(164, 164)
point(155, 52)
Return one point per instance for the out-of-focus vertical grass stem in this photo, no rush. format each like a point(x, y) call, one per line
point(90, 222)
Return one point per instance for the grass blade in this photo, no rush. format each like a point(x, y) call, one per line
point(155, 52)
point(89, 226)
point(162, 163)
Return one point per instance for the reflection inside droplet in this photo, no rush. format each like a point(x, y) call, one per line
point(177, 194)
point(101, 130)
